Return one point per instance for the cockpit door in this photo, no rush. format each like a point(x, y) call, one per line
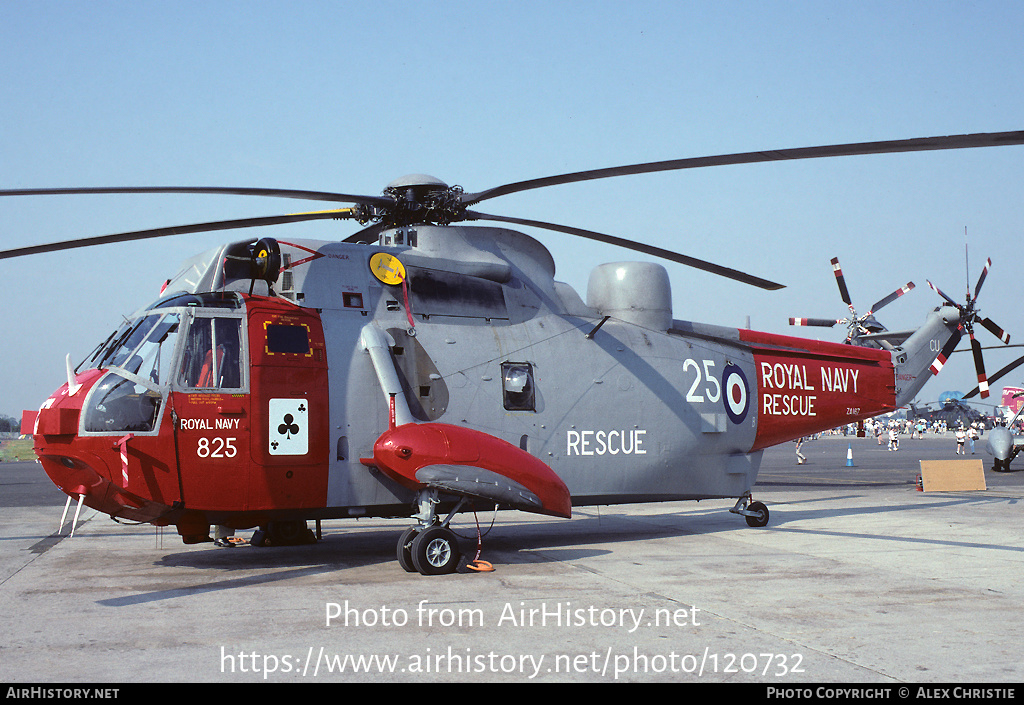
point(212, 411)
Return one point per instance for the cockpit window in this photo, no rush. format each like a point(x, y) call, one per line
point(145, 358)
point(211, 358)
point(152, 360)
point(143, 347)
point(117, 404)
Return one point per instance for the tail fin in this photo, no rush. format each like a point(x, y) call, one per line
point(921, 353)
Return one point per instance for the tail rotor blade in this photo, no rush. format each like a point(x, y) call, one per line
point(841, 281)
point(995, 330)
point(891, 297)
point(947, 350)
point(820, 322)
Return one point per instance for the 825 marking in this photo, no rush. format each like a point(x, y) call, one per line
point(216, 447)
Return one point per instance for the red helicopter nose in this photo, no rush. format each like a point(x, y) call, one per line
point(90, 469)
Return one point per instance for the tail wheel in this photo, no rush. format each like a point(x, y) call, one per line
point(435, 551)
point(759, 516)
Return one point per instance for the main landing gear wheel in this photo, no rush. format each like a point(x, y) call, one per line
point(759, 516)
point(405, 549)
point(435, 551)
point(430, 548)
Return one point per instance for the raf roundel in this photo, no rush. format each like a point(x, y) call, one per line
point(737, 393)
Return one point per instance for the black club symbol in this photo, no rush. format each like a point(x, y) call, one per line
point(288, 427)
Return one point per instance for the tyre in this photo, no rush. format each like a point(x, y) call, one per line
point(435, 551)
point(761, 514)
point(405, 549)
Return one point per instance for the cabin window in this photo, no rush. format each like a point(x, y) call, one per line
point(293, 339)
point(518, 386)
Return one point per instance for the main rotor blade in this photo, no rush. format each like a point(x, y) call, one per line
point(947, 350)
point(979, 365)
point(995, 330)
point(938, 291)
point(177, 230)
point(819, 322)
point(988, 139)
point(637, 246)
point(981, 279)
point(211, 190)
point(841, 281)
point(994, 378)
point(891, 297)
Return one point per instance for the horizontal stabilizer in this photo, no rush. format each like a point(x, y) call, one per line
point(893, 337)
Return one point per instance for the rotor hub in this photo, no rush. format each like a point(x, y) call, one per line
point(415, 181)
point(421, 198)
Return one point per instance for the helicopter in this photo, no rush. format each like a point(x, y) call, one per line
point(421, 368)
point(857, 326)
point(1004, 445)
point(952, 411)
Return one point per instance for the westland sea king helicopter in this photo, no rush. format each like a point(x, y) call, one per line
point(423, 367)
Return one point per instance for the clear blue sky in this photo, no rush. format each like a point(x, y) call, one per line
point(347, 96)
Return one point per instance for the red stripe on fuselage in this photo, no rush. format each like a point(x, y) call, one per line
point(805, 386)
